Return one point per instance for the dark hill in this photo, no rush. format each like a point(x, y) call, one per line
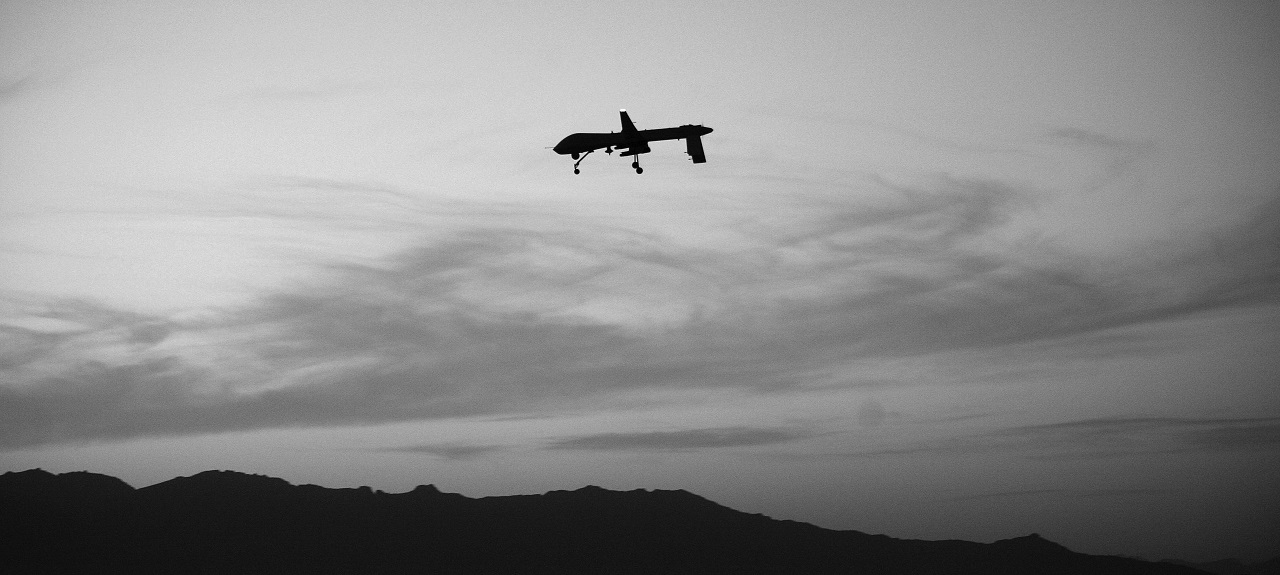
point(227, 522)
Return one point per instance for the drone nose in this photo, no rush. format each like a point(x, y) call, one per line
point(706, 130)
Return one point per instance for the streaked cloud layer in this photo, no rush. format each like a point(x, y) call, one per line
point(524, 315)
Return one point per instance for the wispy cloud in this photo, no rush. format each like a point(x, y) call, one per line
point(456, 452)
point(1121, 154)
point(1106, 437)
point(682, 440)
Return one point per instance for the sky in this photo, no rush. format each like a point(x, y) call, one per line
point(953, 270)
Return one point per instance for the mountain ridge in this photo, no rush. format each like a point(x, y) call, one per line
point(227, 521)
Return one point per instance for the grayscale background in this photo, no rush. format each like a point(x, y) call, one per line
point(953, 269)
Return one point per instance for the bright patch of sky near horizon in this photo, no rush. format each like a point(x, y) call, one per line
point(953, 270)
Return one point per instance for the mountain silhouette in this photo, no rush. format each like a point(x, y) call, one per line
point(229, 522)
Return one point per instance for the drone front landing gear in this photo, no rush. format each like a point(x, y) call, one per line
point(584, 156)
point(636, 164)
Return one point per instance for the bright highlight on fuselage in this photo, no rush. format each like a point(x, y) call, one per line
point(632, 142)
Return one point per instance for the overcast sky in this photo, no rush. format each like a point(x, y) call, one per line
point(952, 270)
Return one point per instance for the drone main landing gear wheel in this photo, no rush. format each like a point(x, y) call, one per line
point(584, 156)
